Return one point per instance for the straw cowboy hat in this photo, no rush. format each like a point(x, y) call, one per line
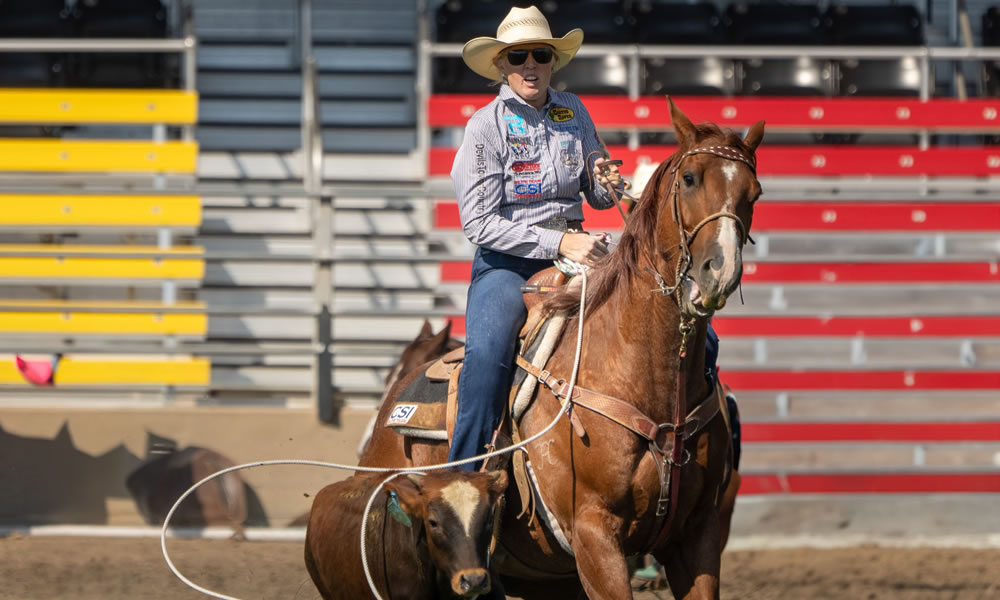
point(520, 26)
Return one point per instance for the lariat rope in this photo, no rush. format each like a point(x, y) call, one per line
point(397, 472)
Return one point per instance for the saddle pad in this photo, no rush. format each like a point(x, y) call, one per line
point(422, 406)
point(426, 408)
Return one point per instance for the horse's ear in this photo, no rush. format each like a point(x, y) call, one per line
point(754, 136)
point(426, 330)
point(444, 335)
point(682, 125)
point(441, 338)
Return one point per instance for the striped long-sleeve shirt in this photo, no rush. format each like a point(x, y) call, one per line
point(519, 166)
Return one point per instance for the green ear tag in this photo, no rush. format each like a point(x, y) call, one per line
point(396, 511)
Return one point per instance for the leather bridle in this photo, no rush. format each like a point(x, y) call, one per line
point(686, 238)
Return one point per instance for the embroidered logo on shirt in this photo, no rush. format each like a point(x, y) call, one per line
point(528, 189)
point(526, 167)
point(519, 146)
point(568, 154)
point(560, 114)
point(515, 125)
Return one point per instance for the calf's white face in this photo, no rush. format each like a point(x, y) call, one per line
point(457, 512)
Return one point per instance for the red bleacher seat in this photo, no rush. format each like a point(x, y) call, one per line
point(833, 216)
point(826, 273)
point(916, 326)
point(871, 431)
point(850, 161)
point(812, 114)
point(869, 483)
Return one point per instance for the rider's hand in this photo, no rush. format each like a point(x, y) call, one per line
point(613, 176)
point(582, 248)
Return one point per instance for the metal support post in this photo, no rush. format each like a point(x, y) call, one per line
point(328, 411)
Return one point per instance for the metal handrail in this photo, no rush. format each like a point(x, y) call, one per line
point(312, 131)
point(96, 45)
point(685, 51)
point(186, 46)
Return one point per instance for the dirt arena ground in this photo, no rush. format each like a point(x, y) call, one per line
point(36, 568)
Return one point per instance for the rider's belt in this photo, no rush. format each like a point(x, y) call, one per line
point(561, 224)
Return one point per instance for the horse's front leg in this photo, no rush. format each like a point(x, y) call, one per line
point(599, 557)
point(692, 564)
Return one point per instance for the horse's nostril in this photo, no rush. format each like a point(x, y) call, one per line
point(713, 264)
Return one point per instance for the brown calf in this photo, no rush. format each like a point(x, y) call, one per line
point(428, 536)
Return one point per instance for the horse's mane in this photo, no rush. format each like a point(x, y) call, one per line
point(618, 268)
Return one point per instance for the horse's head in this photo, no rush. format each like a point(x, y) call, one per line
point(710, 198)
point(426, 346)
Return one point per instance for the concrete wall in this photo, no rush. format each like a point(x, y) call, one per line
point(69, 466)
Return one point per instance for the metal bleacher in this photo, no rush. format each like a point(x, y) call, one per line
point(96, 263)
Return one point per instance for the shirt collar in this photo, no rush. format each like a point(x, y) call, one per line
point(507, 94)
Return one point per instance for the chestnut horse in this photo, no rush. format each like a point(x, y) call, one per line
point(607, 491)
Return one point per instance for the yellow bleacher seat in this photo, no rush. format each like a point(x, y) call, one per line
point(172, 107)
point(97, 156)
point(113, 370)
point(83, 318)
point(31, 262)
point(41, 210)
point(126, 265)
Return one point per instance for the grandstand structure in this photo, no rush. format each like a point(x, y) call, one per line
point(864, 352)
point(247, 204)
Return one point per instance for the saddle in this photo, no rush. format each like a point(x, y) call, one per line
point(427, 408)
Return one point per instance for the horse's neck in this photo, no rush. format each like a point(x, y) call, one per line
point(645, 342)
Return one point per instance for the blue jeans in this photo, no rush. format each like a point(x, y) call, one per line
point(494, 314)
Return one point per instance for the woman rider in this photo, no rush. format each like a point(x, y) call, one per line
point(518, 177)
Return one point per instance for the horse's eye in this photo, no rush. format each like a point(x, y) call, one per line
point(688, 179)
point(432, 522)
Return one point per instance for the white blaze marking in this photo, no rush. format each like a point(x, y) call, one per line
point(463, 497)
point(729, 239)
point(730, 170)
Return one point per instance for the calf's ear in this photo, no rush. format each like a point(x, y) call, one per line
point(498, 482)
point(409, 492)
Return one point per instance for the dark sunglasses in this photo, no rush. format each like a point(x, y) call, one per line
point(542, 56)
